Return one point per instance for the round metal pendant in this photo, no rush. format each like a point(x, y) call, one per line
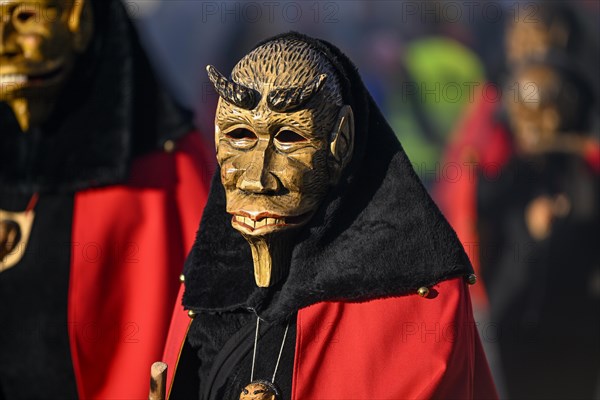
point(260, 390)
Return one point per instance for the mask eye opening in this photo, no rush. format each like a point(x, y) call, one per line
point(241, 134)
point(25, 14)
point(288, 136)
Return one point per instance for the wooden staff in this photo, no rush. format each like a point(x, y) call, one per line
point(158, 381)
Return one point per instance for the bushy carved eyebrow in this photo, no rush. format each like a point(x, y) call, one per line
point(290, 99)
point(239, 95)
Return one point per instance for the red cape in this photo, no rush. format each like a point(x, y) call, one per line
point(129, 245)
point(405, 347)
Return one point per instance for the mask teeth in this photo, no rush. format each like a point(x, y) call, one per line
point(7, 79)
point(260, 223)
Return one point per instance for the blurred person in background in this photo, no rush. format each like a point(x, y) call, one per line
point(485, 141)
point(102, 184)
point(538, 223)
point(482, 137)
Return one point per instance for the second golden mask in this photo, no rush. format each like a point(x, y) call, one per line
point(39, 41)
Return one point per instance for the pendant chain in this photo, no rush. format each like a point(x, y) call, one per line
point(256, 345)
point(254, 351)
point(280, 351)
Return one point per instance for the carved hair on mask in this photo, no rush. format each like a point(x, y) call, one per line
point(39, 41)
point(283, 137)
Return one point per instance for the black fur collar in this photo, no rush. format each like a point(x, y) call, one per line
point(111, 110)
point(378, 234)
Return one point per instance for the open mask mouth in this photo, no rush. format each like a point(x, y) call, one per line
point(264, 222)
point(17, 80)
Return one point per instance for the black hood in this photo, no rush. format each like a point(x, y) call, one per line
point(111, 109)
point(377, 234)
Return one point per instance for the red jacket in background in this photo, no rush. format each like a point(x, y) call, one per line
point(129, 245)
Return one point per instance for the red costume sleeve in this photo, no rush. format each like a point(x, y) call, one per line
point(394, 348)
point(129, 245)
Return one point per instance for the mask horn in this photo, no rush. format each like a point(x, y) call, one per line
point(234, 93)
point(290, 99)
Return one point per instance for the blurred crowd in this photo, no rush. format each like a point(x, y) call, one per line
point(496, 104)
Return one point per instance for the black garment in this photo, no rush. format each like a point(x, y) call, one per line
point(35, 359)
point(377, 234)
point(231, 368)
point(541, 291)
point(111, 110)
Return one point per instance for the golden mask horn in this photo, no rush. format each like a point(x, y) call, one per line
point(234, 93)
point(290, 99)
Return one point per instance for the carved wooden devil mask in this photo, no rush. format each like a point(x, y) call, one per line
point(283, 137)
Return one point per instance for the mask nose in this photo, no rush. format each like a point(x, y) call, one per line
point(258, 178)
